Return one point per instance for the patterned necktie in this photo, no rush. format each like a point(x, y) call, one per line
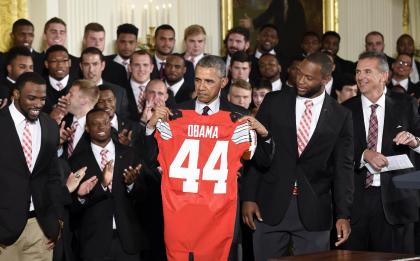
point(303, 135)
point(140, 97)
point(372, 139)
point(206, 110)
point(27, 144)
point(70, 144)
point(60, 86)
point(162, 71)
point(304, 127)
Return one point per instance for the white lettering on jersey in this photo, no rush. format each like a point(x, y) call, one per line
point(203, 131)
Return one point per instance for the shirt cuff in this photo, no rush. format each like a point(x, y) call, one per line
point(416, 150)
point(149, 131)
point(81, 200)
point(362, 161)
point(130, 187)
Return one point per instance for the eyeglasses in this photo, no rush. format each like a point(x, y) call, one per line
point(402, 63)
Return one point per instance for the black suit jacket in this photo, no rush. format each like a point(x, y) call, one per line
point(53, 94)
point(400, 205)
point(18, 184)
point(343, 66)
point(189, 75)
point(101, 205)
point(325, 164)
point(6, 88)
point(114, 72)
point(184, 93)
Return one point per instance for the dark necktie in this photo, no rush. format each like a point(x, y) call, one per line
point(372, 139)
point(206, 110)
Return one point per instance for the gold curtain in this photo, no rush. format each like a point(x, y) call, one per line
point(10, 11)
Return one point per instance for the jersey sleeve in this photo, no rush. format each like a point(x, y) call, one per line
point(164, 129)
point(243, 134)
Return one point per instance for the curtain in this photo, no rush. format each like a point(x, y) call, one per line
point(414, 22)
point(10, 11)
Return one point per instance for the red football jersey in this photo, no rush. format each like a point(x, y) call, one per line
point(200, 157)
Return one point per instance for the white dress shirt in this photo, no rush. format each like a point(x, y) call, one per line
point(316, 111)
point(114, 122)
point(135, 87)
point(175, 88)
point(328, 86)
point(54, 82)
point(34, 129)
point(258, 54)
point(79, 130)
point(110, 156)
point(403, 83)
point(122, 61)
point(196, 59)
point(276, 85)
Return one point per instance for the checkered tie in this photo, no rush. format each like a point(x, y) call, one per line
point(140, 98)
point(27, 144)
point(372, 139)
point(71, 145)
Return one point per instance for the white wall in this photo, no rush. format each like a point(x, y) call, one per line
point(111, 13)
point(358, 17)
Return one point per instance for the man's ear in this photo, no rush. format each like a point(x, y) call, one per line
point(224, 80)
point(16, 94)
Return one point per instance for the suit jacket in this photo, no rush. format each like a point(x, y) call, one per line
point(18, 184)
point(101, 205)
point(412, 90)
point(53, 94)
point(121, 97)
point(6, 88)
point(324, 171)
point(400, 205)
point(38, 59)
point(343, 66)
point(114, 72)
point(81, 145)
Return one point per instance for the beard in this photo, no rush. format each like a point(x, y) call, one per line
point(312, 91)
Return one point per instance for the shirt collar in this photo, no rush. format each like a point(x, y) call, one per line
point(63, 81)
point(114, 122)
point(403, 83)
point(366, 103)
point(133, 83)
point(121, 60)
point(316, 101)
point(17, 116)
point(81, 121)
point(175, 86)
point(97, 149)
point(10, 80)
point(214, 105)
point(101, 81)
point(159, 61)
point(258, 54)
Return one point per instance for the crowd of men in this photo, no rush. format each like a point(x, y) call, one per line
point(80, 180)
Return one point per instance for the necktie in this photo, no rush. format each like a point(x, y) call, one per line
point(206, 110)
point(71, 145)
point(104, 161)
point(140, 98)
point(27, 144)
point(398, 88)
point(125, 64)
point(372, 139)
point(60, 86)
point(303, 135)
point(161, 71)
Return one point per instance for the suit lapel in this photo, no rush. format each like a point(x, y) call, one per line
point(390, 122)
point(44, 135)
point(360, 130)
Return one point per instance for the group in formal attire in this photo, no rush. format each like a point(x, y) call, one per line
point(92, 167)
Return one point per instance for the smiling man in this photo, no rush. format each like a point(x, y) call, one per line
point(291, 200)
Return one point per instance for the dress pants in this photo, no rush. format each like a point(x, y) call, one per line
point(372, 232)
point(30, 246)
point(289, 234)
point(116, 252)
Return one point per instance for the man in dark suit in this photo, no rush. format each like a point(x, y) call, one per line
point(312, 167)
point(126, 45)
point(92, 63)
point(400, 81)
point(164, 45)
point(29, 210)
point(59, 80)
point(18, 61)
point(382, 216)
point(55, 33)
point(175, 69)
point(23, 35)
point(405, 45)
point(331, 43)
point(374, 42)
point(109, 228)
point(94, 36)
point(140, 67)
point(237, 39)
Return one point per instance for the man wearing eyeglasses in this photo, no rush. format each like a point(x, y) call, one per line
point(400, 81)
point(59, 80)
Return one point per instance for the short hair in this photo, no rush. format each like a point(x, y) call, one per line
point(192, 30)
point(213, 61)
point(269, 55)
point(94, 51)
point(93, 27)
point(374, 33)
point(263, 84)
point(155, 81)
point(54, 20)
point(32, 77)
point(105, 87)
point(164, 27)
point(21, 22)
point(323, 60)
point(127, 29)
point(331, 33)
point(344, 79)
point(179, 56)
point(56, 48)
point(405, 54)
point(89, 89)
point(238, 30)
point(311, 34)
point(94, 110)
point(15, 52)
point(240, 56)
point(142, 52)
point(242, 84)
point(380, 57)
point(271, 26)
